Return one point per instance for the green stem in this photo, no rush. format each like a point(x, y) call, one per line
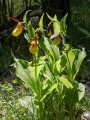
point(35, 73)
point(72, 115)
point(41, 112)
point(35, 68)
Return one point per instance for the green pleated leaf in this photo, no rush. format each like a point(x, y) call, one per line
point(66, 82)
point(21, 69)
point(63, 25)
point(54, 86)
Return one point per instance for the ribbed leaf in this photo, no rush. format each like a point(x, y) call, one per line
point(23, 73)
point(66, 82)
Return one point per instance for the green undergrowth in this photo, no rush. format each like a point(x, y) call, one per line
point(13, 95)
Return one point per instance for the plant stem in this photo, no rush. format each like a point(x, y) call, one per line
point(35, 68)
point(71, 116)
point(40, 111)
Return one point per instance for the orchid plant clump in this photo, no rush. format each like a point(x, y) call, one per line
point(51, 78)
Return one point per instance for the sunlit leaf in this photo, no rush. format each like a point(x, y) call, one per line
point(25, 16)
point(81, 91)
point(41, 23)
point(56, 25)
point(66, 82)
point(78, 62)
point(23, 73)
point(54, 86)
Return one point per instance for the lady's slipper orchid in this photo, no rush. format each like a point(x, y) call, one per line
point(18, 29)
point(56, 38)
point(34, 46)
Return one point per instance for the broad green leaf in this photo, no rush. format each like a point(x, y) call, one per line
point(49, 73)
point(39, 67)
point(75, 94)
point(27, 37)
point(56, 52)
point(24, 63)
point(38, 75)
point(61, 63)
point(48, 49)
point(53, 51)
point(81, 91)
point(31, 30)
point(54, 86)
point(71, 57)
point(41, 23)
point(23, 73)
point(71, 95)
point(66, 82)
point(66, 47)
point(81, 56)
point(63, 25)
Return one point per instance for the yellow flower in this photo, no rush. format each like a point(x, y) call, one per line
point(56, 41)
point(34, 49)
point(34, 46)
point(18, 30)
point(49, 33)
point(56, 38)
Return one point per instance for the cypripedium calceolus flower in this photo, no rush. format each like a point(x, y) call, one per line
point(33, 48)
point(56, 38)
point(19, 27)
